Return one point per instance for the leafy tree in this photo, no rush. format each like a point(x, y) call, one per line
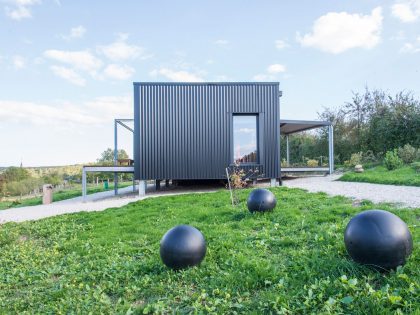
point(15, 174)
point(107, 157)
point(374, 121)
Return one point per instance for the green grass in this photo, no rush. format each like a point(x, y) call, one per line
point(57, 196)
point(290, 261)
point(406, 176)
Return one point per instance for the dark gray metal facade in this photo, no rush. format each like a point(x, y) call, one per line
point(185, 130)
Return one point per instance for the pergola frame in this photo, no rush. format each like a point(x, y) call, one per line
point(121, 122)
point(288, 127)
point(116, 169)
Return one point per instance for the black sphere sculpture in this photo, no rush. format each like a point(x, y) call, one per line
point(378, 238)
point(182, 246)
point(261, 200)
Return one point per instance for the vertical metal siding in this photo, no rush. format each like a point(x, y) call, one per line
point(184, 130)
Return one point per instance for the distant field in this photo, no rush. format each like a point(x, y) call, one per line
point(59, 195)
point(405, 176)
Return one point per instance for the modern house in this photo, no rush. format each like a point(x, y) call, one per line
point(194, 131)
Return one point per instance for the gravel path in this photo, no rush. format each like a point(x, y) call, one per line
point(407, 196)
point(95, 202)
point(402, 195)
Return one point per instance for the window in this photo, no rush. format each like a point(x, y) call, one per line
point(245, 146)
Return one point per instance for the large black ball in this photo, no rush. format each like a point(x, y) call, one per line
point(182, 246)
point(261, 200)
point(378, 238)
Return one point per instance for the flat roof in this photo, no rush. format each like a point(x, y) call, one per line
point(292, 126)
point(206, 83)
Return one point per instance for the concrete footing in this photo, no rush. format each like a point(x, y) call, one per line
point(142, 188)
point(273, 182)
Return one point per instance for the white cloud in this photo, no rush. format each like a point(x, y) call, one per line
point(271, 73)
point(110, 107)
point(82, 60)
point(411, 47)
point(276, 68)
point(221, 42)
point(118, 72)
point(407, 10)
point(337, 32)
point(180, 76)
point(20, 9)
point(281, 44)
point(263, 77)
point(19, 62)
point(245, 130)
point(100, 111)
point(75, 32)
point(120, 50)
point(69, 75)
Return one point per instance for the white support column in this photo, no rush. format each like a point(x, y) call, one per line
point(331, 149)
point(115, 156)
point(84, 184)
point(287, 151)
point(134, 184)
point(273, 182)
point(142, 188)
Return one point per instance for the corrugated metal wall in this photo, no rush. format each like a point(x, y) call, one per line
point(184, 130)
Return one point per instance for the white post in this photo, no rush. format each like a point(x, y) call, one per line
point(115, 156)
point(273, 182)
point(84, 184)
point(142, 188)
point(330, 149)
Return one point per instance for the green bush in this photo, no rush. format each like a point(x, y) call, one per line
point(368, 157)
point(356, 158)
point(407, 153)
point(312, 163)
point(416, 166)
point(392, 161)
point(23, 187)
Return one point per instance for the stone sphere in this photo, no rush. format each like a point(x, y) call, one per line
point(261, 200)
point(182, 246)
point(378, 238)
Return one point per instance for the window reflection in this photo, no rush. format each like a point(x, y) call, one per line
point(245, 138)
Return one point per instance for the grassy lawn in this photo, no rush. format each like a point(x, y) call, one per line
point(380, 175)
point(290, 261)
point(58, 195)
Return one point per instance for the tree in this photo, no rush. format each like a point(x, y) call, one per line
point(107, 157)
point(374, 121)
point(15, 174)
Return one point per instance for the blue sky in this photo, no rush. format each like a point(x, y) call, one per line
point(67, 67)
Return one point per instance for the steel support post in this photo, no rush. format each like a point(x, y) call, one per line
point(115, 156)
point(84, 190)
point(331, 149)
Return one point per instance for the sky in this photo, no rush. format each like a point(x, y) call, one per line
point(67, 66)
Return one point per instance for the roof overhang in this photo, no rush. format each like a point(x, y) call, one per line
point(288, 127)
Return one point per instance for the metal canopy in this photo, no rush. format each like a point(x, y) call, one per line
point(288, 127)
point(292, 126)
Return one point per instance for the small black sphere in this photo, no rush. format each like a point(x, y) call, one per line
point(182, 246)
point(378, 238)
point(261, 200)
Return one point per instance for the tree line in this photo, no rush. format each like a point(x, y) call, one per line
point(19, 181)
point(373, 122)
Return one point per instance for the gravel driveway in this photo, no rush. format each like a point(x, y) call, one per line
point(406, 196)
point(403, 195)
point(95, 202)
